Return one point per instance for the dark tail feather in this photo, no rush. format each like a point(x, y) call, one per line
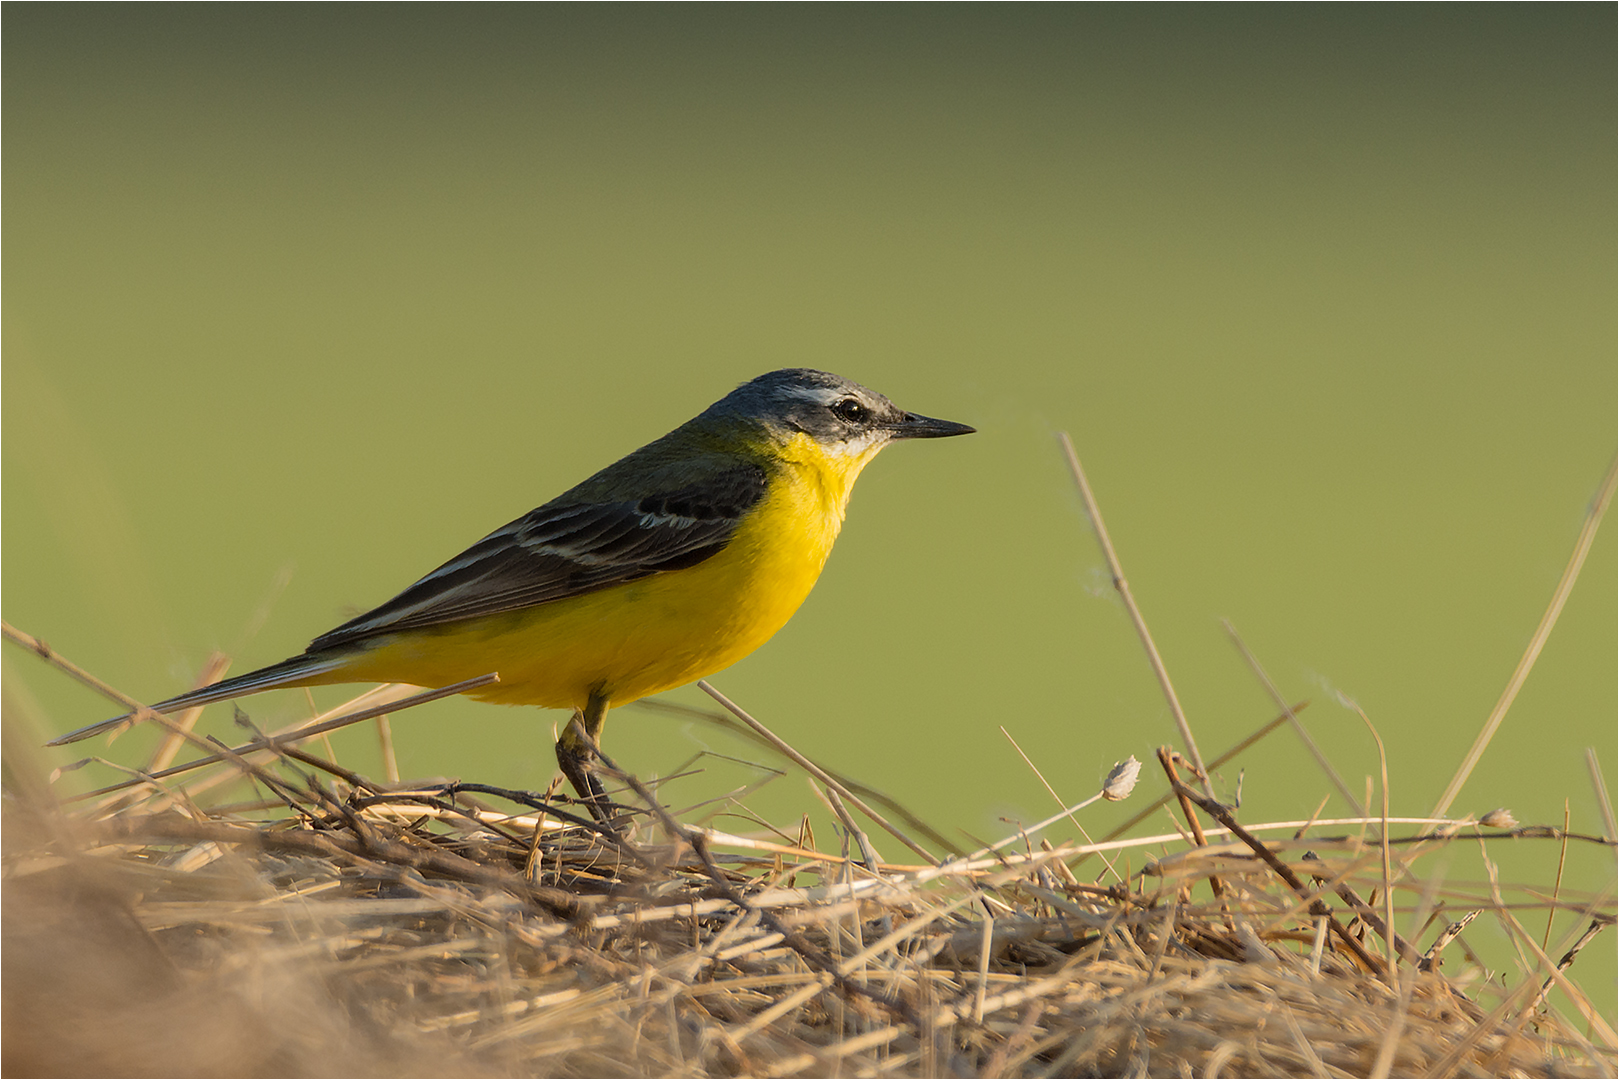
point(287, 673)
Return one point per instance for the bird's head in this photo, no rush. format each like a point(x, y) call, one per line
point(843, 419)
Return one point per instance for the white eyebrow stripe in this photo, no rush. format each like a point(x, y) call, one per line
point(820, 395)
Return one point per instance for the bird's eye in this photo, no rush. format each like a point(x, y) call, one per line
point(851, 411)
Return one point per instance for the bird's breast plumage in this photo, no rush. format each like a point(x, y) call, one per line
point(660, 631)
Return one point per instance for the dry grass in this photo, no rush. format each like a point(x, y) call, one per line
point(334, 925)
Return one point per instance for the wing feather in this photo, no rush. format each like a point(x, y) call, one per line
point(568, 548)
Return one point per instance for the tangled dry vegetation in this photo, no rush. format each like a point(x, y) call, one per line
point(337, 925)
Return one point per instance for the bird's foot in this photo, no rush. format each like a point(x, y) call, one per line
point(579, 766)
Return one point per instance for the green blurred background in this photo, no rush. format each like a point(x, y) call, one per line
point(1325, 296)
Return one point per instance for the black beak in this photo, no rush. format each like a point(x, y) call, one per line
point(925, 427)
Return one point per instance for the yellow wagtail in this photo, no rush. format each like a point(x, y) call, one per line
point(668, 565)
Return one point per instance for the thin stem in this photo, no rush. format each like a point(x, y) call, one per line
point(814, 770)
point(1094, 512)
point(1571, 573)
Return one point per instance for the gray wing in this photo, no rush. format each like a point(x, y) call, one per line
point(565, 549)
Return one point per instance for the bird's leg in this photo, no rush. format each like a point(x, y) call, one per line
point(577, 756)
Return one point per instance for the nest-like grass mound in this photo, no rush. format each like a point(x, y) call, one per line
point(336, 925)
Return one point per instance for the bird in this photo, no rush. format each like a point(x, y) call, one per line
point(669, 565)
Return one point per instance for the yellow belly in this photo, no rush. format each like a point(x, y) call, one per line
point(645, 636)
